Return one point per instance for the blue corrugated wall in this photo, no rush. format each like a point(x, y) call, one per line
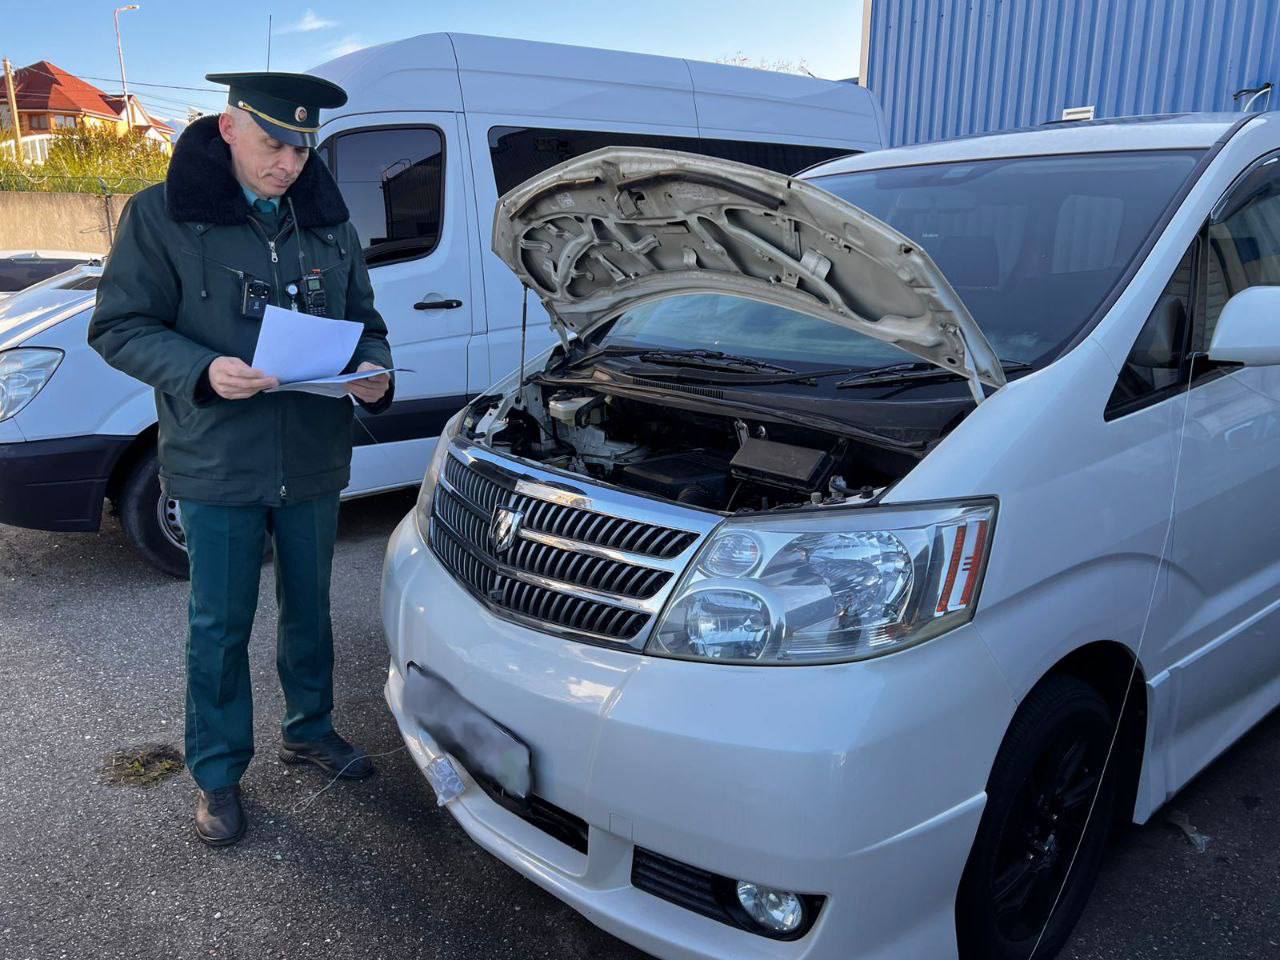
point(944, 68)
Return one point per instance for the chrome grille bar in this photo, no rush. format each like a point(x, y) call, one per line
point(591, 562)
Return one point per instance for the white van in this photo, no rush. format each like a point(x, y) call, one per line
point(966, 543)
point(435, 127)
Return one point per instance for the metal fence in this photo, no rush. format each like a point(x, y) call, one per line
point(35, 147)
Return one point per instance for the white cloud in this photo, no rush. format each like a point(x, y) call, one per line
point(348, 44)
point(308, 23)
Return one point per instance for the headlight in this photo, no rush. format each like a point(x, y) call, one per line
point(23, 373)
point(427, 491)
point(828, 585)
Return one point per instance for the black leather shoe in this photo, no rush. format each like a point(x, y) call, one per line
point(219, 817)
point(331, 754)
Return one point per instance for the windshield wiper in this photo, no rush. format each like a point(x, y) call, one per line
point(915, 370)
point(711, 360)
point(809, 378)
point(696, 358)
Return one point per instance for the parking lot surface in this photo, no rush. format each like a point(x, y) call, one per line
point(91, 661)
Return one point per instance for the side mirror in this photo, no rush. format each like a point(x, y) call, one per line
point(1248, 330)
point(1159, 344)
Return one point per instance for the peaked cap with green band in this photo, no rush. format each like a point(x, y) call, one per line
point(285, 105)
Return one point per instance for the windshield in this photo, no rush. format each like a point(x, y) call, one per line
point(1032, 245)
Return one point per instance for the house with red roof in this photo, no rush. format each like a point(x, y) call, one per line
point(51, 99)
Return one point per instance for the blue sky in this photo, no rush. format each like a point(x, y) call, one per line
point(177, 42)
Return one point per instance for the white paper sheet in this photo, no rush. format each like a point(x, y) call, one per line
point(294, 346)
point(334, 386)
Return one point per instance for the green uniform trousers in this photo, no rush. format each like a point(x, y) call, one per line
point(225, 545)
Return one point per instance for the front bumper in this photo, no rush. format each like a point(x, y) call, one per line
point(57, 484)
point(860, 782)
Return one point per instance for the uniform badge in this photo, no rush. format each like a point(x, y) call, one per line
point(300, 114)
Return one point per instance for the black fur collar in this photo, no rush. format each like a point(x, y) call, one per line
point(200, 186)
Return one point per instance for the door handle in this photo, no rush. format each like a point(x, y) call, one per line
point(437, 305)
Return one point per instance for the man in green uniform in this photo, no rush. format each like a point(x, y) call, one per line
point(245, 214)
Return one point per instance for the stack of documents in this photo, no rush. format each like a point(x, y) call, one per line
point(308, 353)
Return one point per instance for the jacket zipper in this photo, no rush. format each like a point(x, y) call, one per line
point(275, 276)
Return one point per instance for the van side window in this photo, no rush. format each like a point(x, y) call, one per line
point(779, 157)
point(1154, 369)
point(519, 153)
point(392, 180)
point(1243, 243)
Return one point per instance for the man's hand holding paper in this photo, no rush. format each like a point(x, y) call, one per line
point(303, 352)
point(233, 379)
point(371, 389)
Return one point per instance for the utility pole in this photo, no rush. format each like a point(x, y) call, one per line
point(128, 108)
point(13, 110)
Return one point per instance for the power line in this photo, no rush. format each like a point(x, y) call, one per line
point(54, 76)
point(168, 103)
point(140, 83)
point(154, 96)
point(28, 105)
point(167, 86)
point(172, 102)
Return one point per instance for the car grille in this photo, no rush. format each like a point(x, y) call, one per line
point(555, 822)
point(596, 574)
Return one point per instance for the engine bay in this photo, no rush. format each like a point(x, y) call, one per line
point(726, 461)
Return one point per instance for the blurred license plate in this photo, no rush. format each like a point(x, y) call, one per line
point(486, 748)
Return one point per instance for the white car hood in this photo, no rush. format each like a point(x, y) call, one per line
point(29, 312)
point(612, 229)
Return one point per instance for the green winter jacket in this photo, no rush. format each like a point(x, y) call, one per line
point(169, 303)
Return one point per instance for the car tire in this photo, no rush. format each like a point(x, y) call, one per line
point(1038, 810)
point(151, 522)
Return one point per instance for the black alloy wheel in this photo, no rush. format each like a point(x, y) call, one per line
point(1024, 875)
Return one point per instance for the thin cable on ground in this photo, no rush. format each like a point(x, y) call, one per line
point(1133, 671)
point(337, 776)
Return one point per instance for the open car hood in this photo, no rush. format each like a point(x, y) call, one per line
point(622, 226)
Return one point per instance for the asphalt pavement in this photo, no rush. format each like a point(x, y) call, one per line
point(91, 662)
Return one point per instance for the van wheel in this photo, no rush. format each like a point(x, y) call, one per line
point(1038, 811)
point(150, 519)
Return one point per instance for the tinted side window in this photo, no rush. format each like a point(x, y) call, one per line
point(392, 180)
point(779, 157)
point(519, 153)
point(1155, 366)
point(19, 274)
point(1244, 243)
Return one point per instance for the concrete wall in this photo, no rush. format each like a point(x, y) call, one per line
point(59, 221)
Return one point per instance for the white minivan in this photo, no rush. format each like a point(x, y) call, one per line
point(872, 541)
point(435, 128)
